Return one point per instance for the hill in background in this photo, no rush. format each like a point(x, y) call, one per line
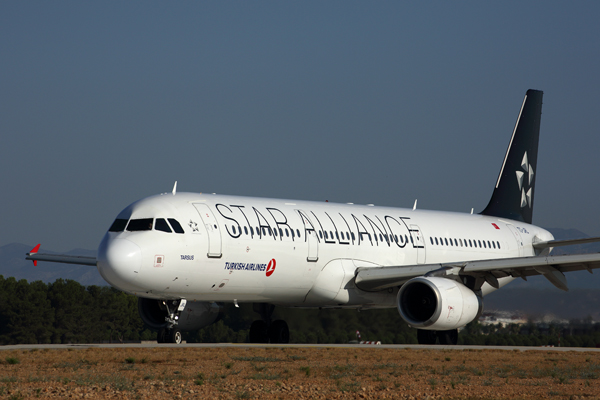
point(13, 263)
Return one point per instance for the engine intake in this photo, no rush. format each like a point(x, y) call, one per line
point(437, 303)
point(196, 314)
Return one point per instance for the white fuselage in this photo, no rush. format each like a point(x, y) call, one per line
point(293, 253)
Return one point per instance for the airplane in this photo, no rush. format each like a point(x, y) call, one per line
point(186, 254)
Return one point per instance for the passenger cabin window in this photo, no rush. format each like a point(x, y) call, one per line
point(175, 225)
point(118, 226)
point(142, 224)
point(161, 225)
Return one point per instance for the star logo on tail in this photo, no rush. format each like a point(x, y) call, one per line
point(525, 180)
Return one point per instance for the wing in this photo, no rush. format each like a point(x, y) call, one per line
point(552, 267)
point(60, 258)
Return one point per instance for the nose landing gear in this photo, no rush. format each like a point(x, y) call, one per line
point(170, 333)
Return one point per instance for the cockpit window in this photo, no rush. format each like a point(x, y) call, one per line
point(118, 225)
point(175, 225)
point(143, 224)
point(161, 225)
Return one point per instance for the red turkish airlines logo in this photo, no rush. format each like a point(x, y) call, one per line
point(271, 267)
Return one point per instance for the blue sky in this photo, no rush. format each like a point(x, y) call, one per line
point(103, 103)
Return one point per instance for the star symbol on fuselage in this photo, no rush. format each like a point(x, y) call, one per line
point(525, 180)
point(193, 225)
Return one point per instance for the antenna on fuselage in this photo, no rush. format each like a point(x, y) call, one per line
point(415, 205)
point(175, 188)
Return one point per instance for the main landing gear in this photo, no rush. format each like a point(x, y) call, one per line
point(170, 333)
point(265, 331)
point(432, 337)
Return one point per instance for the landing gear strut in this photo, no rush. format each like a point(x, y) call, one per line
point(259, 332)
point(431, 337)
point(265, 331)
point(170, 333)
point(448, 337)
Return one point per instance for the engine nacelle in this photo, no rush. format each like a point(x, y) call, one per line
point(196, 314)
point(437, 303)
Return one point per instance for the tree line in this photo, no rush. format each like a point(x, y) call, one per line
point(67, 312)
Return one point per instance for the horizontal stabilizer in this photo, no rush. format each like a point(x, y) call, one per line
point(569, 242)
point(34, 256)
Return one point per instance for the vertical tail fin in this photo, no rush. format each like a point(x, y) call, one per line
point(513, 194)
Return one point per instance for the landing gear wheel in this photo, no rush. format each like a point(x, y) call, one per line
point(279, 332)
point(448, 337)
point(259, 332)
point(174, 336)
point(161, 336)
point(426, 337)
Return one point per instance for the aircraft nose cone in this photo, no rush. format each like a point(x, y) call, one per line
point(119, 262)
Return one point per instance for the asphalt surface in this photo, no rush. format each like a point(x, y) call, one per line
point(149, 345)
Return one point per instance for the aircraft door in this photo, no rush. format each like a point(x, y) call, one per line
point(212, 229)
point(313, 249)
point(311, 237)
point(418, 243)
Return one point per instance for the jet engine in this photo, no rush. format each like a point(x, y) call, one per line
point(436, 303)
point(195, 315)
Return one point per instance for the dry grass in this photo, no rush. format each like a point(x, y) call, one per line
point(231, 373)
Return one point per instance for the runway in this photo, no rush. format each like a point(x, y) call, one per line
point(150, 345)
